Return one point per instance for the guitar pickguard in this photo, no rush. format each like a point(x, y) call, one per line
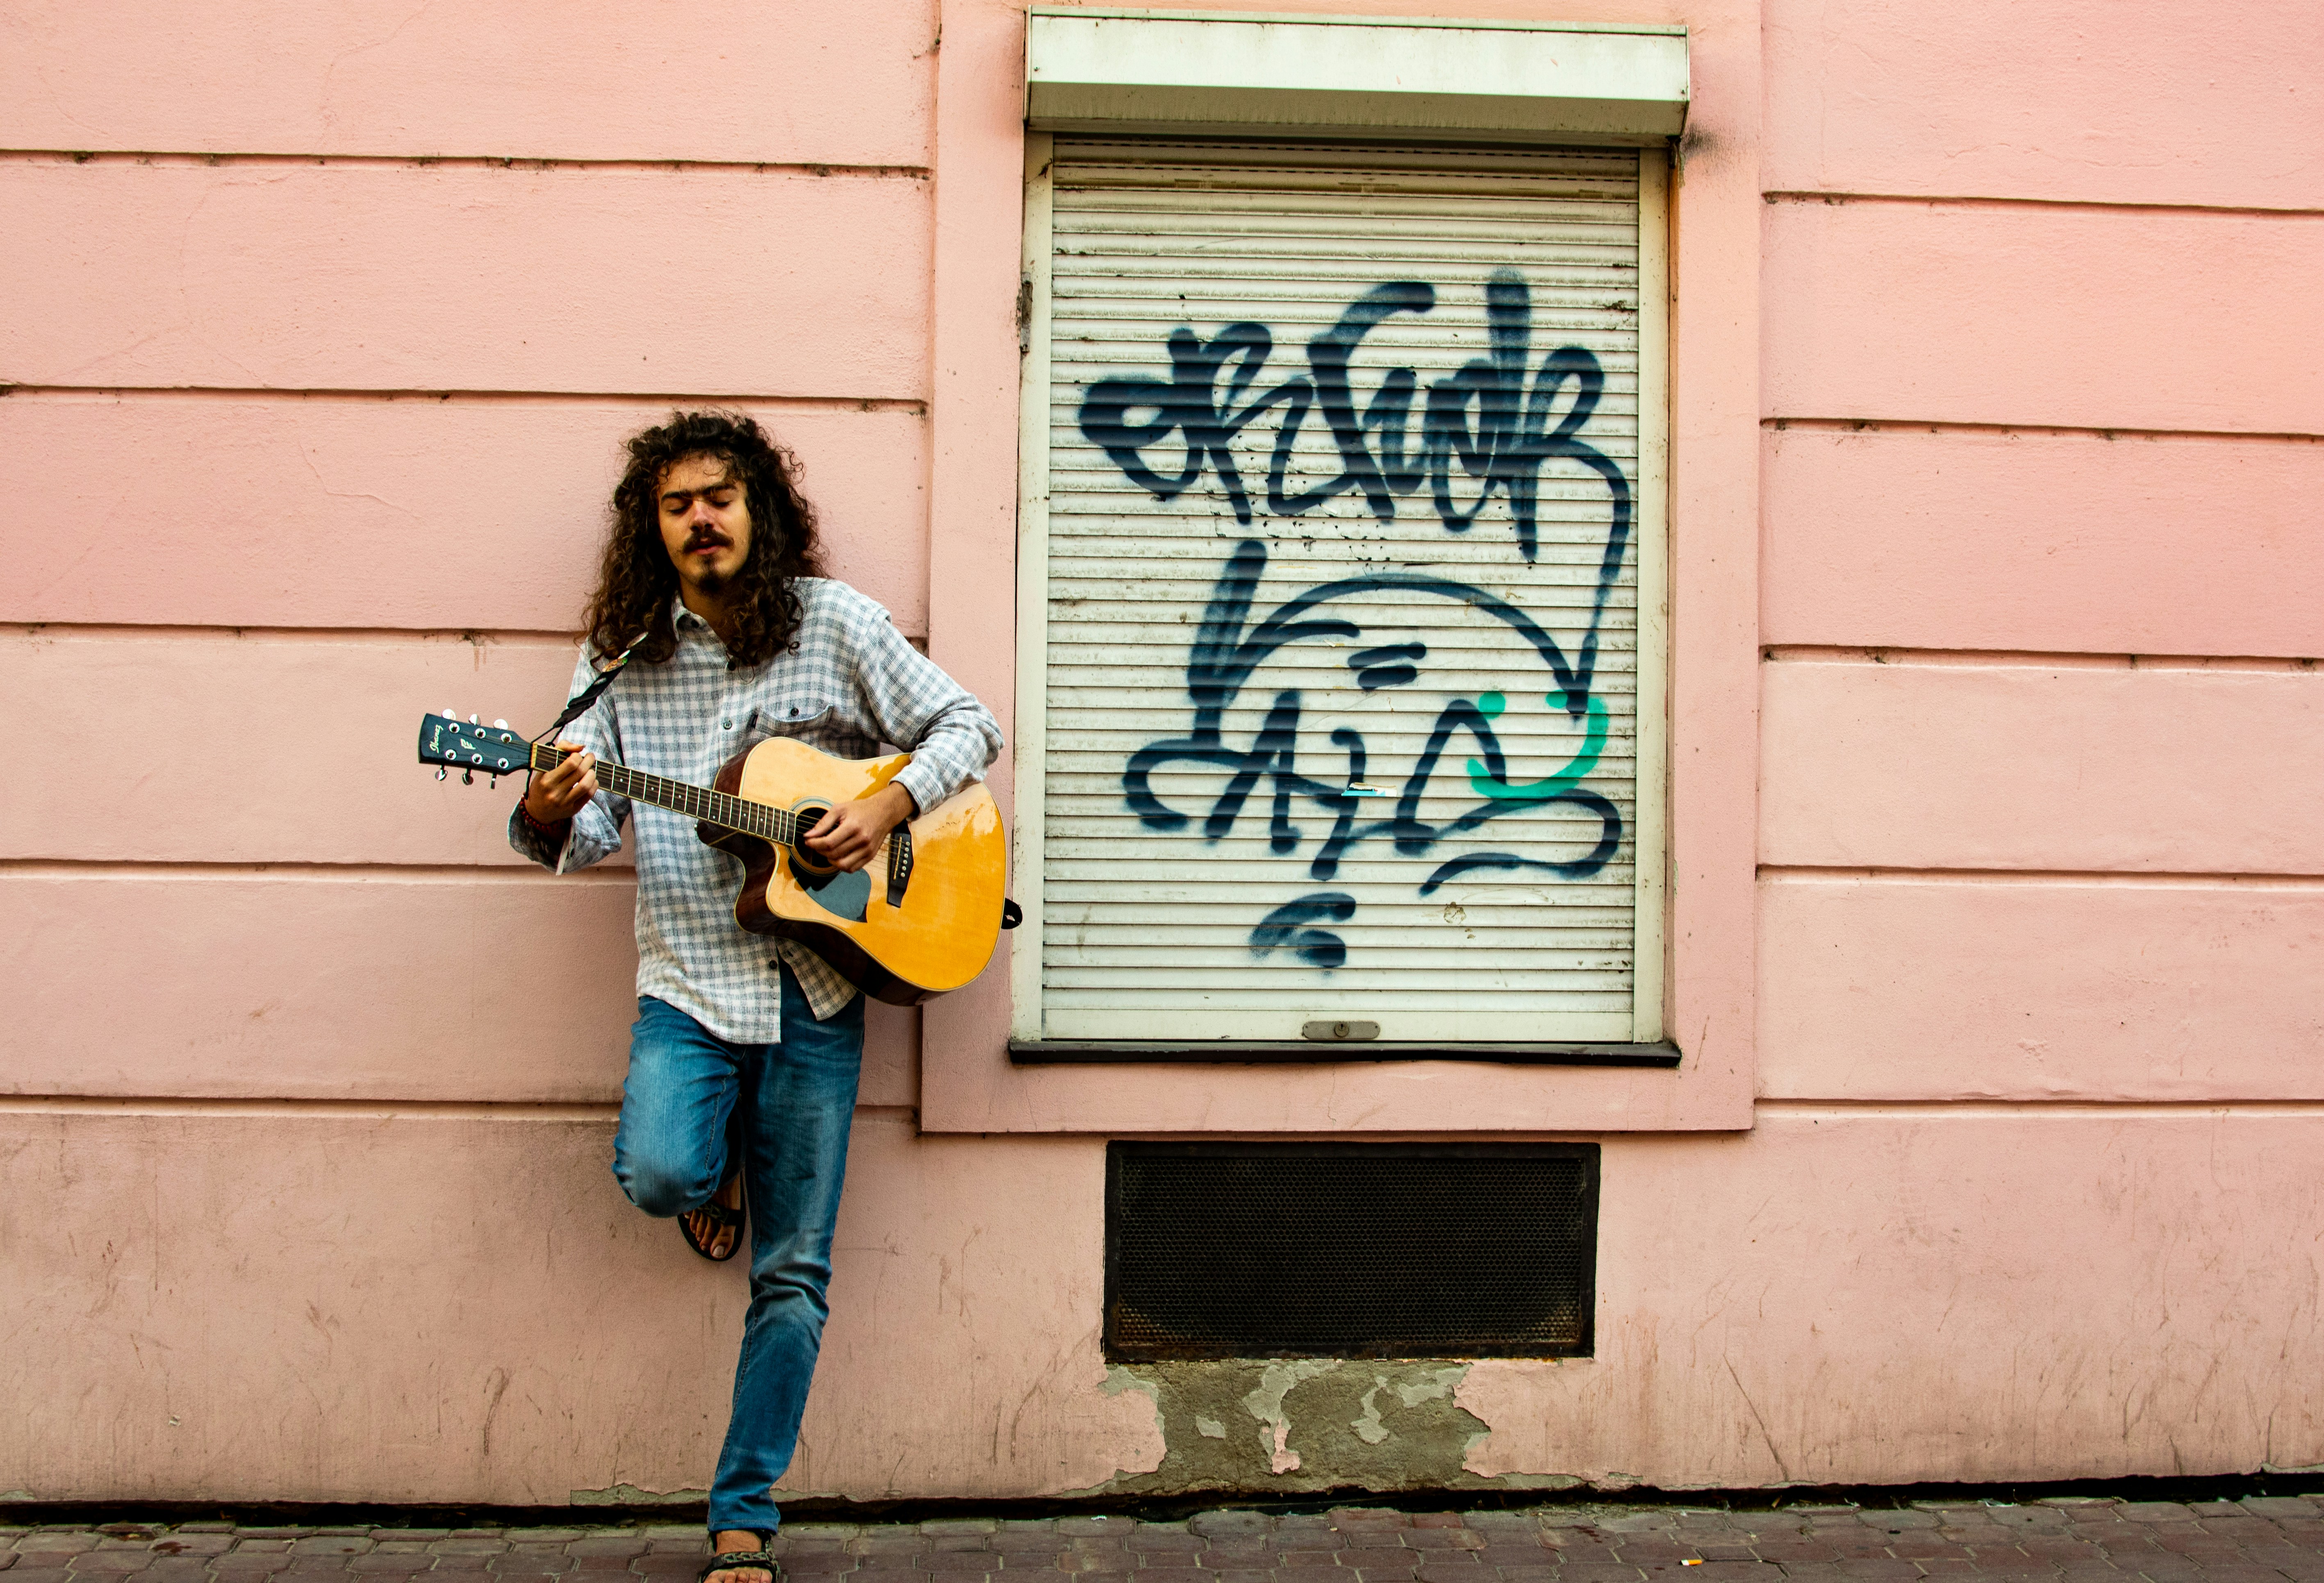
point(843, 895)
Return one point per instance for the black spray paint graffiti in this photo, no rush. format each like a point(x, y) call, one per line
point(1504, 445)
point(1227, 650)
point(1510, 438)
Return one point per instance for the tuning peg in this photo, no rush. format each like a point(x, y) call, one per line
point(473, 721)
point(500, 725)
point(442, 773)
point(467, 778)
point(450, 715)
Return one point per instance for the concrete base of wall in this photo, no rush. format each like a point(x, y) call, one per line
point(455, 1306)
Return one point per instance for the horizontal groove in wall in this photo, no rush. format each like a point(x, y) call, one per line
point(525, 162)
point(2038, 660)
point(1800, 873)
point(2122, 1110)
point(160, 631)
point(1936, 426)
point(1979, 201)
point(386, 873)
point(533, 1111)
point(479, 637)
point(911, 404)
point(352, 1110)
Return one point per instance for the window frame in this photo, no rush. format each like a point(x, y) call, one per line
point(968, 1081)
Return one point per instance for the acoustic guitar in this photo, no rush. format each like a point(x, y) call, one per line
point(921, 918)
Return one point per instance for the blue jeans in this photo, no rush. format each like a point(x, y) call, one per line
point(790, 1104)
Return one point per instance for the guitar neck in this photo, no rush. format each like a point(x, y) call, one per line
point(779, 825)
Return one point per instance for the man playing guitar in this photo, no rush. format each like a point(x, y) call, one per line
point(744, 1057)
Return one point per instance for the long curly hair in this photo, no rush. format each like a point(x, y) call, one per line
point(636, 582)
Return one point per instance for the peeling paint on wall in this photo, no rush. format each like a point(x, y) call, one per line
point(1265, 1402)
point(1304, 1425)
point(630, 1495)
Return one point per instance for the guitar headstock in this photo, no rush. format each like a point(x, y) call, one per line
point(455, 743)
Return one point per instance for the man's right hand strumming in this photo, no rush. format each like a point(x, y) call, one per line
point(557, 794)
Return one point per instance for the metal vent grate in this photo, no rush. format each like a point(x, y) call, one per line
point(1350, 1250)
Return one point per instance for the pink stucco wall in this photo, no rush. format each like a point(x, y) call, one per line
point(1998, 754)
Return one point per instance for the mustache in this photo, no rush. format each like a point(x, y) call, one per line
point(706, 538)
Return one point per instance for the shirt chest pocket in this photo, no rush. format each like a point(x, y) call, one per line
point(812, 720)
point(738, 728)
point(819, 721)
point(808, 719)
point(797, 717)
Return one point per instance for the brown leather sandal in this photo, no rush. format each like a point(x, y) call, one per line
point(740, 1561)
point(722, 1219)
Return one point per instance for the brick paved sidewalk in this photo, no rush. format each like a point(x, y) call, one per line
point(2260, 1540)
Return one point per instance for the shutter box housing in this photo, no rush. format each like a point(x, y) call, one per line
point(1185, 72)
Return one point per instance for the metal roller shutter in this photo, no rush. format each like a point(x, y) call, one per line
point(1337, 544)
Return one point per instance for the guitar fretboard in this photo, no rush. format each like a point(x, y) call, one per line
point(779, 825)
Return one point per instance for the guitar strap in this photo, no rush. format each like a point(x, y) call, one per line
point(579, 703)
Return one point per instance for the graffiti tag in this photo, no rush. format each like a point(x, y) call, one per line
point(1501, 433)
point(1481, 415)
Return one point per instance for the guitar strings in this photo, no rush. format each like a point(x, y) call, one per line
point(684, 794)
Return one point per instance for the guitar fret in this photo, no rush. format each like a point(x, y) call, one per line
point(703, 803)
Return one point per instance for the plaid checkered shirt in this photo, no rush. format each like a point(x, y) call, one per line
point(851, 684)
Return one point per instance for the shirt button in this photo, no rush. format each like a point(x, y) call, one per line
point(726, 725)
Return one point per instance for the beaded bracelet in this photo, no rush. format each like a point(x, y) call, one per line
point(536, 826)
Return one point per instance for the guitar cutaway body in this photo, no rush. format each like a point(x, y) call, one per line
point(942, 933)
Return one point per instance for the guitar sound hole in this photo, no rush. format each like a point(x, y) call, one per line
point(803, 856)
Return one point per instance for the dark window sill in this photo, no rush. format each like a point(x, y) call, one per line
point(1322, 1052)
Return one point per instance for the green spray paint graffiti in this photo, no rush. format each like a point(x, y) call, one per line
point(1486, 784)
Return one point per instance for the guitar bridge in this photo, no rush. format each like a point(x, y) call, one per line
point(900, 864)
